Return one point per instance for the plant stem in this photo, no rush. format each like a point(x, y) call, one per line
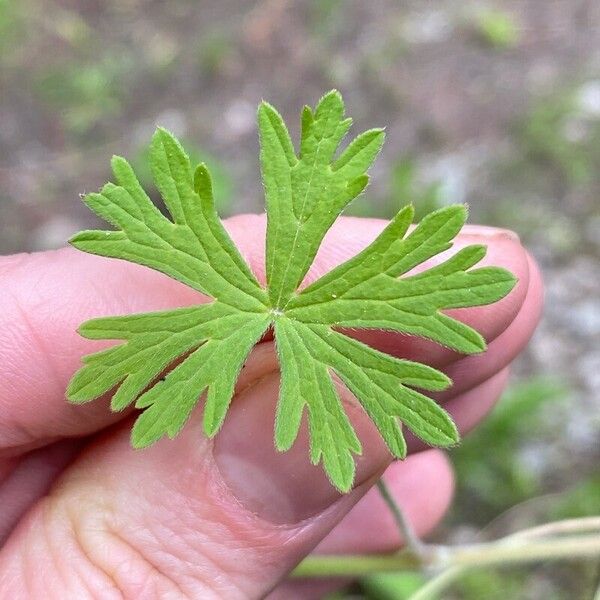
point(477, 555)
point(438, 583)
point(442, 580)
point(559, 527)
point(355, 565)
point(481, 555)
point(407, 533)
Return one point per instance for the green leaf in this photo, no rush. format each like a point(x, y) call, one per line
point(194, 248)
point(168, 360)
point(306, 194)
point(305, 381)
point(215, 366)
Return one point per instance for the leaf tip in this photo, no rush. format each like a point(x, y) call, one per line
point(332, 95)
point(479, 344)
point(453, 437)
point(408, 211)
point(307, 115)
point(203, 182)
point(163, 137)
point(357, 185)
point(210, 426)
point(74, 392)
point(82, 330)
point(266, 109)
point(377, 134)
point(462, 209)
point(71, 392)
point(141, 440)
point(343, 485)
point(331, 101)
point(116, 161)
point(162, 131)
point(76, 239)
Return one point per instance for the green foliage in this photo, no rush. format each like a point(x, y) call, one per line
point(501, 480)
point(582, 500)
point(491, 584)
point(325, 15)
point(555, 134)
point(496, 29)
point(11, 25)
point(213, 51)
point(84, 93)
point(305, 194)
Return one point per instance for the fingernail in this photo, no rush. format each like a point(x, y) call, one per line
point(486, 231)
point(283, 487)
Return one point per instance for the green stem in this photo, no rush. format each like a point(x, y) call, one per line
point(407, 533)
point(438, 583)
point(587, 524)
point(355, 565)
point(443, 557)
point(480, 555)
point(442, 580)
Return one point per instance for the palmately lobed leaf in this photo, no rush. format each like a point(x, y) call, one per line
point(167, 360)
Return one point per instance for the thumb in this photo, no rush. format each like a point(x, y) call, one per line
point(191, 517)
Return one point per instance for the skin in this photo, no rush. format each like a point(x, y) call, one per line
point(85, 516)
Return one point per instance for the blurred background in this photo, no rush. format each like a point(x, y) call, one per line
point(492, 103)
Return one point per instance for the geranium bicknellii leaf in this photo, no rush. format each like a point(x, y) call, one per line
point(379, 288)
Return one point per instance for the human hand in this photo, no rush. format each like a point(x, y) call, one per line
point(83, 515)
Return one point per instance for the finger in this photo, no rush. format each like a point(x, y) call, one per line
point(509, 343)
point(188, 517)
point(32, 475)
point(466, 408)
point(6, 467)
point(29, 479)
point(469, 371)
point(422, 486)
point(48, 295)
